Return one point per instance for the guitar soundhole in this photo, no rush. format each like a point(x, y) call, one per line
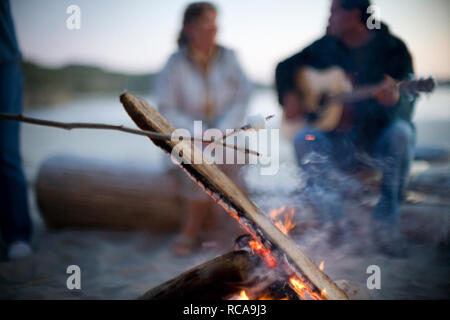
point(312, 117)
point(323, 101)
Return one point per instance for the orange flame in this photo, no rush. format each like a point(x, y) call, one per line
point(288, 219)
point(275, 212)
point(298, 286)
point(242, 296)
point(301, 289)
point(322, 266)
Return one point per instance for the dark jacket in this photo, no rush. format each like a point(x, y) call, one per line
point(383, 54)
point(9, 49)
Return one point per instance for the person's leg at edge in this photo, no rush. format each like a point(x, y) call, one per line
point(15, 223)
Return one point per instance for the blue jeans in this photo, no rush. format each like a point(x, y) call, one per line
point(15, 221)
point(393, 152)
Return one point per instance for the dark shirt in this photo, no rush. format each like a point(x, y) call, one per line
point(382, 54)
point(9, 49)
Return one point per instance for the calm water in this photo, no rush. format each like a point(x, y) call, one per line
point(38, 143)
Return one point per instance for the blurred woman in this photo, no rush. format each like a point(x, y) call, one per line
point(201, 81)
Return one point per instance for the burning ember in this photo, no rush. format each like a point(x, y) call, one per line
point(302, 290)
point(264, 253)
point(285, 227)
point(284, 221)
point(298, 286)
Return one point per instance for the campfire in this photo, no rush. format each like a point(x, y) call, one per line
point(287, 271)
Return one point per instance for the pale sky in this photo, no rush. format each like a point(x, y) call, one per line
point(138, 35)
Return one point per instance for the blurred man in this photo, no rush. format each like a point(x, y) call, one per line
point(15, 225)
point(380, 126)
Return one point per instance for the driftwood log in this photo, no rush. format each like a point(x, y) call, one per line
point(79, 193)
point(76, 192)
point(233, 200)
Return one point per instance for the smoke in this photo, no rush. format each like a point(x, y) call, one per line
point(333, 207)
point(334, 220)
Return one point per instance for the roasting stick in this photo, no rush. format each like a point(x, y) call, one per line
point(101, 126)
point(255, 122)
point(219, 187)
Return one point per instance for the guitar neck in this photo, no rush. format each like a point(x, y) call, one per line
point(358, 94)
point(411, 87)
point(367, 92)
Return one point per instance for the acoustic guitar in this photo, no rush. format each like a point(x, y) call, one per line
point(325, 93)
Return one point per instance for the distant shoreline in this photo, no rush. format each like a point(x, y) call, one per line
point(45, 86)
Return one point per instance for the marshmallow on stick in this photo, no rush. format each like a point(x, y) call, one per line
point(255, 122)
